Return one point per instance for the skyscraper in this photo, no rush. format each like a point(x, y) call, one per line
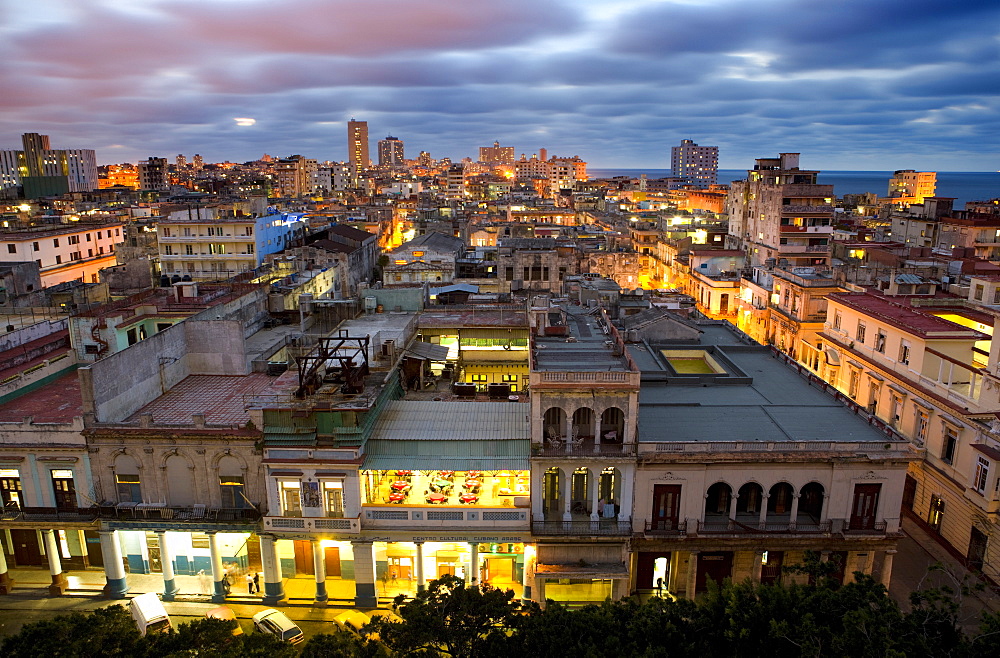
point(696, 164)
point(357, 144)
point(496, 154)
point(390, 152)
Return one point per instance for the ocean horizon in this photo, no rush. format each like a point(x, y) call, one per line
point(963, 186)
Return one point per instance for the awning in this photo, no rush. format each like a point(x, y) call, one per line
point(435, 463)
point(428, 351)
point(607, 570)
point(832, 357)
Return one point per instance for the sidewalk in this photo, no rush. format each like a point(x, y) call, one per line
point(917, 552)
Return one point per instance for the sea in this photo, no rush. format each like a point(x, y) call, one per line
point(963, 186)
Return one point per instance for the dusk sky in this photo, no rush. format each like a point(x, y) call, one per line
point(851, 84)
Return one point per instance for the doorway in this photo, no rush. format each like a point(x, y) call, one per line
point(865, 506)
point(666, 506)
point(977, 549)
point(303, 558)
point(95, 554)
point(64, 489)
point(331, 558)
point(27, 552)
point(909, 493)
point(498, 570)
point(713, 566)
point(770, 571)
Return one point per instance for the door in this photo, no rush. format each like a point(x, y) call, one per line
point(666, 506)
point(153, 546)
point(26, 548)
point(770, 571)
point(331, 557)
point(253, 554)
point(909, 493)
point(65, 491)
point(936, 514)
point(651, 567)
point(713, 566)
point(304, 557)
point(865, 506)
point(977, 549)
point(499, 570)
point(95, 555)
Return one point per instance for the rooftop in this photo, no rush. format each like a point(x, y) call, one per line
point(59, 401)
point(776, 406)
point(587, 347)
point(219, 398)
point(905, 317)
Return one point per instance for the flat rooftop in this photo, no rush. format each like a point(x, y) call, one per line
point(219, 398)
point(778, 405)
point(587, 348)
point(59, 401)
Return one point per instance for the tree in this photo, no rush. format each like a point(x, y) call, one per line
point(344, 644)
point(107, 631)
point(452, 619)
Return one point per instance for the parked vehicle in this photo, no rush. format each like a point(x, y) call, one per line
point(149, 614)
point(225, 614)
point(276, 623)
point(352, 621)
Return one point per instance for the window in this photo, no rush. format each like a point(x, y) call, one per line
point(250, 248)
point(232, 491)
point(949, 445)
point(58, 259)
point(129, 488)
point(904, 352)
point(853, 382)
point(167, 250)
point(861, 332)
point(978, 292)
point(982, 475)
point(333, 499)
point(12, 248)
point(880, 341)
point(189, 250)
point(996, 294)
point(936, 513)
point(478, 378)
point(836, 320)
point(88, 237)
point(10, 487)
point(35, 247)
point(55, 242)
point(291, 498)
point(920, 425)
point(166, 232)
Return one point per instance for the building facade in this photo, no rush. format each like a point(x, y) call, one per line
point(698, 165)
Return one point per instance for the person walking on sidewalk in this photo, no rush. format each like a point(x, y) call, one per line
point(256, 582)
point(249, 579)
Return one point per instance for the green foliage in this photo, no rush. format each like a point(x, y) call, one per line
point(111, 631)
point(343, 644)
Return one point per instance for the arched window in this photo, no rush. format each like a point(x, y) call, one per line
point(231, 483)
point(127, 482)
point(180, 481)
point(717, 503)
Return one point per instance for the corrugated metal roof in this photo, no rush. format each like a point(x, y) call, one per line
point(458, 287)
point(418, 420)
point(435, 463)
point(428, 351)
point(909, 278)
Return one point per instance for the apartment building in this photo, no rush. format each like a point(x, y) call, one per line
point(71, 251)
point(205, 244)
point(295, 176)
point(780, 215)
point(908, 186)
point(732, 483)
point(695, 164)
point(928, 368)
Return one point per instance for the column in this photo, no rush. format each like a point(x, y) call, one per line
point(167, 563)
point(566, 488)
point(529, 564)
point(595, 495)
point(274, 590)
point(886, 574)
point(419, 567)
point(319, 566)
point(218, 575)
point(114, 568)
point(474, 563)
point(763, 511)
point(568, 439)
point(59, 583)
point(795, 512)
point(6, 582)
point(625, 503)
point(758, 565)
point(597, 432)
point(364, 574)
point(732, 506)
point(692, 579)
point(538, 493)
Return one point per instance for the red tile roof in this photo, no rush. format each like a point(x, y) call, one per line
point(909, 319)
point(59, 401)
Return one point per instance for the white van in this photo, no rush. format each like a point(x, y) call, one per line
point(149, 614)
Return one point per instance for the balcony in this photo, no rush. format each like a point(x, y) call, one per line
point(49, 514)
point(603, 527)
point(444, 518)
point(824, 230)
point(128, 515)
point(665, 528)
point(804, 209)
point(857, 527)
point(735, 527)
point(552, 448)
point(327, 525)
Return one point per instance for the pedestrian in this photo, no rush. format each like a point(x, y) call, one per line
point(250, 587)
point(203, 581)
point(392, 576)
point(659, 587)
point(256, 582)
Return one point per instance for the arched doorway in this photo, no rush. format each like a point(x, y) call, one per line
point(612, 425)
point(717, 503)
point(583, 423)
point(810, 504)
point(552, 494)
point(554, 427)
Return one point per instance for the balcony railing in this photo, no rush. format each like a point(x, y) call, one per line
point(582, 449)
point(192, 514)
point(733, 527)
point(46, 514)
point(347, 526)
point(666, 528)
point(603, 527)
point(452, 518)
point(856, 526)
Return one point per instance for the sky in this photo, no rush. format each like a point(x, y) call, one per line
point(850, 84)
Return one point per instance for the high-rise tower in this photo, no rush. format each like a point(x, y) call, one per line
point(696, 164)
point(390, 152)
point(357, 144)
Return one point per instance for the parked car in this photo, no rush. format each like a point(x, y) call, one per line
point(276, 623)
point(225, 614)
point(149, 614)
point(352, 621)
